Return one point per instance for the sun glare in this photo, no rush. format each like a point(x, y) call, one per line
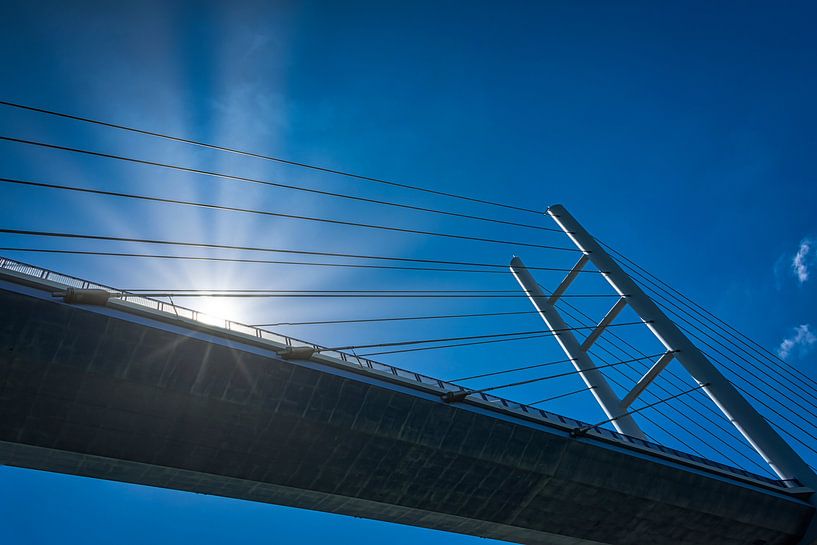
point(216, 309)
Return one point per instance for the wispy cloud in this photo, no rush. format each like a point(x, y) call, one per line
point(800, 262)
point(802, 339)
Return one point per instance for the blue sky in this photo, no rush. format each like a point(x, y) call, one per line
point(681, 133)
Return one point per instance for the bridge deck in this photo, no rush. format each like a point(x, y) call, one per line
point(132, 393)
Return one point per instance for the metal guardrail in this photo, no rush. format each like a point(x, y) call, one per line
point(368, 364)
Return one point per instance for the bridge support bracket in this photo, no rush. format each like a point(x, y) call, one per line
point(85, 296)
point(298, 353)
point(451, 397)
point(579, 432)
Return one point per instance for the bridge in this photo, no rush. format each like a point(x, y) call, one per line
point(142, 391)
point(126, 385)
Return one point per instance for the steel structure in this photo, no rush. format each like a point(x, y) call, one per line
point(782, 459)
point(591, 376)
point(164, 398)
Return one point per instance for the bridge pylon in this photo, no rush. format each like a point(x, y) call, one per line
point(784, 461)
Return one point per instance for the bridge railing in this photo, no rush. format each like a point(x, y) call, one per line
point(371, 365)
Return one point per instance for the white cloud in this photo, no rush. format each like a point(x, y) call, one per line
point(803, 339)
point(800, 262)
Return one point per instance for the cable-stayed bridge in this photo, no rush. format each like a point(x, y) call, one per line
point(140, 391)
point(127, 385)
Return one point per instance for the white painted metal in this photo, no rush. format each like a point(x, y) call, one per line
point(568, 279)
point(609, 317)
point(783, 460)
point(648, 377)
point(593, 378)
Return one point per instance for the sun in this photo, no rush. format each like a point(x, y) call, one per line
point(215, 310)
